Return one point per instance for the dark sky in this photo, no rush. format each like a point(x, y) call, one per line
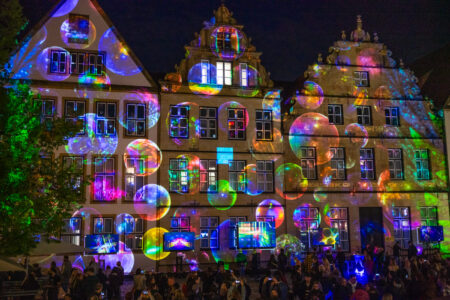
point(290, 33)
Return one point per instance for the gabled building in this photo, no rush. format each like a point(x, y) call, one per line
point(83, 70)
point(371, 157)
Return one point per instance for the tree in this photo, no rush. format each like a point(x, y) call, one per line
point(37, 190)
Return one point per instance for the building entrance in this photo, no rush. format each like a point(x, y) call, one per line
point(371, 226)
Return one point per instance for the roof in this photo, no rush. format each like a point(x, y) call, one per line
point(433, 72)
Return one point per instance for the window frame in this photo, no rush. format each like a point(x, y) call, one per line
point(390, 117)
point(208, 173)
point(180, 228)
point(179, 175)
point(222, 72)
point(106, 119)
point(339, 219)
point(207, 119)
point(363, 115)
point(60, 61)
point(337, 160)
point(403, 241)
point(104, 174)
point(75, 118)
point(263, 122)
point(127, 175)
point(421, 161)
point(234, 227)
point(264, 173)
point(238, 173)
point(72, 235)
point(136, 119)
point(358, 78)
point(368, 159)
point(176, 118)
point(305, 161)
point(394, 160)
point(308, 221)
point(243, 75)
point(111, 218)
point(210, 229)
point(237, 120)
point(333, 115)
point(137, 235)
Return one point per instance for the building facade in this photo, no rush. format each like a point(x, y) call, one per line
point(353, 151)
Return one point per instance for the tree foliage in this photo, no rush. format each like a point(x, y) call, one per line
point(12, 22)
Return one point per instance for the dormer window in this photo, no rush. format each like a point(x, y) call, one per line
point(224, 74)
point(244, 74)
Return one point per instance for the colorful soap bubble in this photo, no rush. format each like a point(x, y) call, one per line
point(313, 130)
point(271, 102)
point(89, 85)
point(124, 223)
point(226, 251)
point(271, 208)
point(224, 198)
point(56, 71)
point(140, 104)
point(320, 195)
point(91, 143)
point(192, 164)
point(252, 180)
point(118, 60)
point(152, 202)
point(311, 96)
point(65, 8)
point(189, 211)
point(260, 148)
point(125, 256)
point(391, 131)
point(233, 110)
point(148, 152)
point(153, 243)
point(250, 81)
point(358, 134)
point(306, 211)
point(227, 42)
point(291, 184)
point(72, 37)
point(288, 242)
point(329, 236)
point(85, 214)
point(202, 79)
point(179, 128)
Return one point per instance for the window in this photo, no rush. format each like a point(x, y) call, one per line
point(223, 40)
point(234, 221)
point(244, 74)
point(104, 188)
point(395, 163)
point(428, 216)
point(136, 119)
point(308, 162)
point(307, 219)
point(78, 29)
point(179, 126)
point(364, 115)
point(209, 234)
point(75, 166)
point(402, 225)
point(75, 112)
point(335, 114)
point(106, 118)
point(422, 164)
point(58, 61)
point(208, 122)
point(178, 175)
point(237, 175)
point(71, 231)
point(205, 72)
point(366, 160)
point(392, 116)
point(133, 182)
point(338, 163)
point(236, 123)
point(264, 177)
point(47, 112)
point(339, 221)
point(361, 78)
point(263, 124)
point(224, 74)
point(78, 62)
point(179, 224)
point(103, 225)
point(134, 234)
point(96, 63)
point(208, 175)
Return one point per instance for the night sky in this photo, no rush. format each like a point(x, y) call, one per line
point(290, 33)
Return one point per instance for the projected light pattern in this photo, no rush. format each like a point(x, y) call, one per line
point(53, 71)
point(227, 43)
point(149, 155)
point(102, 243)
point(254, 235)
point(152, 202)
point(291, 184)
point(311, 96)
point(271, 209)
point(153, 243)
point(71, 36)
point(179, 241)
point(85, 214)
point(226, 251)
point(224, 198)
point(125, 223)
point(358, 134)
point(125, 256)
point(65, 8)
point(202, 79)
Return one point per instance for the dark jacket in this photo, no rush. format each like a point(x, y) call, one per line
point(88, 286)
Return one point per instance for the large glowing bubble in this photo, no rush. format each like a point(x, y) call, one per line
point(311, 96)
point(57, 71)
point(224, 110)
point(249, 84)
point(65, 8)
point(147, 106)
point(118, 59)
point(68, 35)
point(306, 211)
point(228, 243)
point(125, 256)
point(291, 184)
point(152, 202)
point(124, 223)
point(224, 198)
point(358, 134)
point(290, 243)
point(252, 180)
point(271, 208)
point(90, 85)
point(192, 163)
point(271, 102)
point(146, 150)
point(202, 79)
point(260, 148)
point(85, 214)
point(90, 142)
point(313, 130)
point(227, 42)
point(153, 243)
point(320, 195)
point(189, 211)
point(179, 128)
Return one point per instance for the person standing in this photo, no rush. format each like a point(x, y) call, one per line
point(282, 260)
point(412, 250)
point(139, 283)
point(66, 272)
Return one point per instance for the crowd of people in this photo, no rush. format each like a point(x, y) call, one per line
point(318, 276)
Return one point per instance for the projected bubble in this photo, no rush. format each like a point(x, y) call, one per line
point(313, 130)
point(271, 102)
point(124, 223)
point(252, 184)
point(292, 184)
point(261, 147)
point(224, 198)
point(320, 195)
point(153, 243)
point(227, 43)
point(226, 251)
point(305, 211)
point(125, 256)
point(58, 69)
point(271, 208)
point(237, 116)
point(202, 79)
point(65, 8)
point(118, 59)
point(149, 155)
point(189, 211)
point(72, 37)
point(85, 214)
point(311, 96)
point(152, 202)
point(180, 120)
point(358, 134)
point(289, 242)
point(141, 112)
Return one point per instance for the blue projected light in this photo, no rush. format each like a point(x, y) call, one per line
point(102, 243)
point(224, 155)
